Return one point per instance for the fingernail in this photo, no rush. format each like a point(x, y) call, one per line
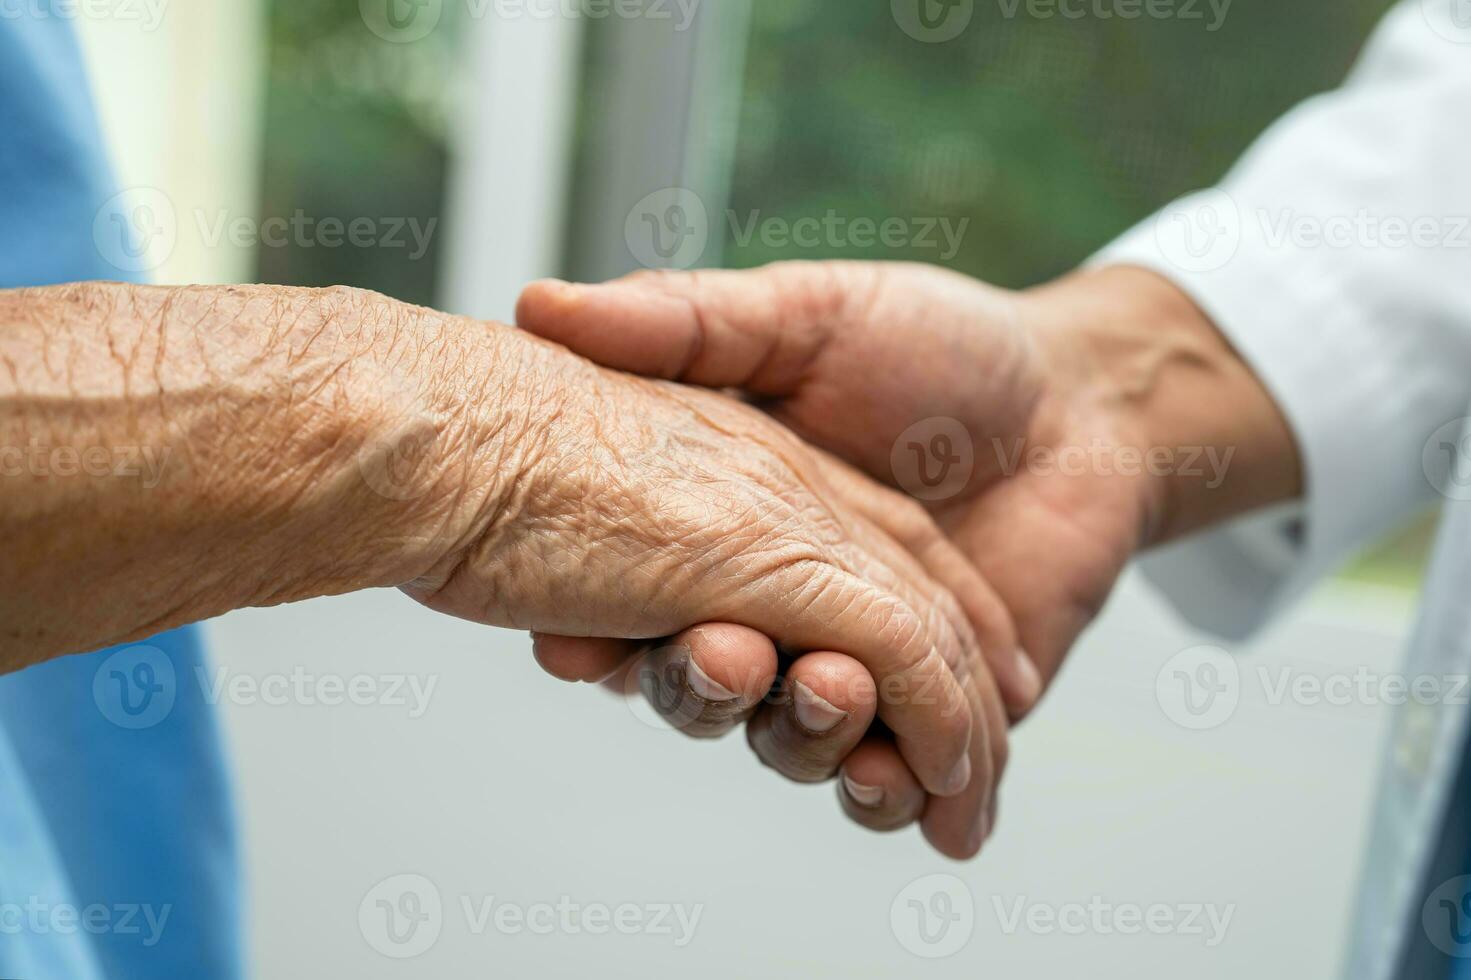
point(813, 713)
point(1028, 679)
point(869, 796)
point(959, 777)
point(703, 686)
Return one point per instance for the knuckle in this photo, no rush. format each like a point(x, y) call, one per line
point(814, 292)
point(653, 276)
point(897, 627)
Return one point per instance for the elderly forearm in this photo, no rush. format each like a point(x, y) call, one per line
point(171, 454)
point(1150, 356)
point(539, 492)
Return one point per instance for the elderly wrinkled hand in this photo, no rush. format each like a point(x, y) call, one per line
point(325, 441)
point(1054, 406)
point(637, 509)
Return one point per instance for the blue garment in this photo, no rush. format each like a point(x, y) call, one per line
point(1446, 912)
point(1461, 968)
point(1437, 943)
point(117, 838)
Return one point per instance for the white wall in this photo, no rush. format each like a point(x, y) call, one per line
point(515, 786)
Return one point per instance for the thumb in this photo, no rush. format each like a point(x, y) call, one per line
point(758, 330)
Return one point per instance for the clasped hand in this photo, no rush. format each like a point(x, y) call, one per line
point(939, 622)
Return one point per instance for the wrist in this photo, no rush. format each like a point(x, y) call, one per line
point(441, 436)
point(1210, 441)
point(362, 441)
point(171, 454)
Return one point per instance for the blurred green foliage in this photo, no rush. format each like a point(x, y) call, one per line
point(1051, 135)
point(355, 127)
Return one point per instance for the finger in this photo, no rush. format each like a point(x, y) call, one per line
point(708, 679)
point(868, 599)
point(817, 715)
point(757, 329)
point(924, 703)
point(1016, 677)
point(761, 330)
point(896, 519)
point(877, 790)
point(909, 524)
point(620, 682)
point(957, 826)
point(889, 627)
point(581, 659)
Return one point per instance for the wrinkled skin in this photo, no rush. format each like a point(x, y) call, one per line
point(642, 507)
point(849, 356)
point(317, 442)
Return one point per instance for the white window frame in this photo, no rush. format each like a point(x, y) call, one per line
point(666, 117)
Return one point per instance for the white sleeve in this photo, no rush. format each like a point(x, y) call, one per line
point(1336, 256)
